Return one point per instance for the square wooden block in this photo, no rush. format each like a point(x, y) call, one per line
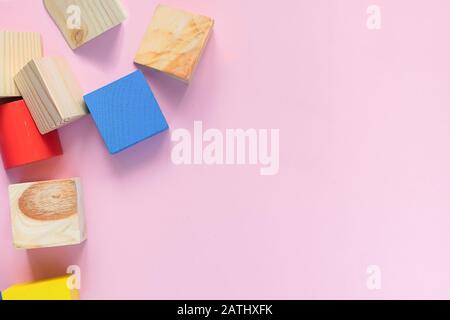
point(51, 92)
point(174, 42)
point(126, 112)
point(47, 214)
point(16, 50)
point(83, 20)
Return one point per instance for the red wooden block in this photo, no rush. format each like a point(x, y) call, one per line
point(20, 140)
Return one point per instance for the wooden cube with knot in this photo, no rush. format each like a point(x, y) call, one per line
point(81, 21)
point(47, 214)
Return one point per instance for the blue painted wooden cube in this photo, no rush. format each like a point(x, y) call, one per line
point(126, 112)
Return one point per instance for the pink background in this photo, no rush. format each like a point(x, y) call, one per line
point(364, 177)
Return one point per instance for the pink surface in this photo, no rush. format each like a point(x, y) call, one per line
point(364, 176)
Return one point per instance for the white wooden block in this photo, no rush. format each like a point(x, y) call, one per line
point(51, 92)
point(47, 214)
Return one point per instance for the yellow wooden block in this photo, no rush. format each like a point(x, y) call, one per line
point(16, 50)
point(95, 18)
point(174, 42)
point(53, 289)
point(47, 214)
point(51, 92)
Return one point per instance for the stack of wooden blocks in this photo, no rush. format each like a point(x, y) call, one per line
point(50, 213)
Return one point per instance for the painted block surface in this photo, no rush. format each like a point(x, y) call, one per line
point(52, 289)
point(126, 112)
point(21, 142)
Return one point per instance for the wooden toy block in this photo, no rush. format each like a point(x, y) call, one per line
point(47, 214)
point(174, 42)
point(20, 140)
point(83, 20)
point(51, 92)
point(16, 49)
point(126, 112)
point(52, 289)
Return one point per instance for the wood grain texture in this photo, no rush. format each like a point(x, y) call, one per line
point(47, 213)
point(49, 201)
point(16, 50)
point(174, 42)
point(51, 93)
point(97, 17)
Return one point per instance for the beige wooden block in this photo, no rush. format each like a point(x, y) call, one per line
point(51, 92)
point(16, 49)
point(174, 42)
point(95, 18)
point(47, 214)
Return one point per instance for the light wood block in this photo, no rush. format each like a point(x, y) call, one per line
point(16, 50)
point(51, 93)
point(96, 17)
point(47, 214)
point(174, 42)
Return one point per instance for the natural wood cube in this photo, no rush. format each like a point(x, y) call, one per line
point(47, 214)
point(51, 92)
point(94, 18)
point(174, 42)
point(16, 49)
